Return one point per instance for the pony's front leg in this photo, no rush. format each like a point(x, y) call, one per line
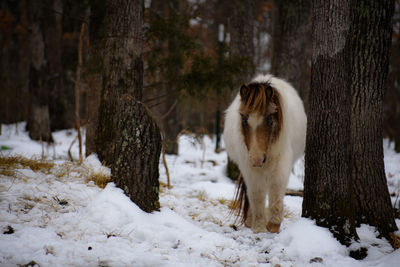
point(276, 193)
point(256, 190)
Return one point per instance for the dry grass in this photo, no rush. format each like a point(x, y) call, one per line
point(395, 241)
point(65, 170)
point(164, 187)
point(9, 164)
point(223, 201)
point(202, 196)
point(99, 179)
point(231, 204)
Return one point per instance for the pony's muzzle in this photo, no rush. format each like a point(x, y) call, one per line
point(257, 161)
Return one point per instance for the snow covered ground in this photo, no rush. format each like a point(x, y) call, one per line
point(54, 217)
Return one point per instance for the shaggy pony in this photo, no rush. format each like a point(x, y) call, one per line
point(265, 130)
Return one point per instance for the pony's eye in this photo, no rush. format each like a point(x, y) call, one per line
point(244, 119)
point(270, 120)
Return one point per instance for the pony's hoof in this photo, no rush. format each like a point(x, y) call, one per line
point(259, 230)
point(273, 227)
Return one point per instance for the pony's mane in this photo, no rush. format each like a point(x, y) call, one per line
point(256, 99)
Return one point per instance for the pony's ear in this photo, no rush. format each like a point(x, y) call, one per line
point(269, 91)
point(244, 91)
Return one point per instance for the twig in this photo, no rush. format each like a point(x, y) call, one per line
point(154, 98)
point(54, 152)
point(290, 192)
point(203, 144)
point(76, 89)
point(41, 141)
point(396, 200)
point(166, 166)
point(69, 150)
point(170, 110)
point(156, 104)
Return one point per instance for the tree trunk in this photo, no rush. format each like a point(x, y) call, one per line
point(290, 42)
point(351, 41)
point(93, 73)
point(52, 32)
point(241, 29)
point(14, 61)
point(392, 97)
point(127, 137)
point(171, 126)
point(328, 194)
point(40, 75)
point(137, 153)
point(94, 82)
point(371, 33)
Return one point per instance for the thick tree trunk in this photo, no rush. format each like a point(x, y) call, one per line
point(14, 61)
point(137, 153)
point(127, 137)
point(93, 73)
point(392, 97)
point(328, 195)
point(170, 122)
point(94, 82)
point(351, 41)
point(371, 33)
point(241, 29)
point(290, 42)
point(52, 32)
point(39, 85)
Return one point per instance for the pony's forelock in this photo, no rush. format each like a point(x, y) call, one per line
point(256, 100)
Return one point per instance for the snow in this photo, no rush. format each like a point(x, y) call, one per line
point(59, 219)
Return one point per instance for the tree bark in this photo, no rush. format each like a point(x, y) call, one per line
point(371, 33)
point(127, 137)
point(137, 153)
point(14, 61)
point(351, 41)
point(94, 82)
point(328, 159)
point(241, 29)
point(171, 126)
point(392, 96)
point(40, 75)
point(93, 73)
point(52, 32)
point(290, 43)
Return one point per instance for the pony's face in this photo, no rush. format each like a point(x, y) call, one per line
point(261, 120)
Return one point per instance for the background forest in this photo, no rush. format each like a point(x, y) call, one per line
point(140, 77)
point(194, 58)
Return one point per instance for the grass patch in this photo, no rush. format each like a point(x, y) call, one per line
point(164, 187)
point(9, 167)
point(223, 201)
point(395, 241)
point(99, 179)
point(202, 196)
point(9, 164)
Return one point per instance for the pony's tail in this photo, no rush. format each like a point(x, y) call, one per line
point(240, 205)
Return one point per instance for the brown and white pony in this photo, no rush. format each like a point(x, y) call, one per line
point(265, 130)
